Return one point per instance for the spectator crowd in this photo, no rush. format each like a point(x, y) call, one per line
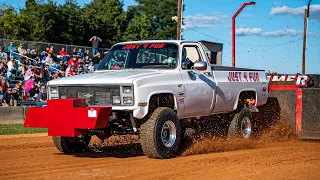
point(30, 70)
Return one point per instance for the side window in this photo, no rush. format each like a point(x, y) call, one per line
point(190, 55)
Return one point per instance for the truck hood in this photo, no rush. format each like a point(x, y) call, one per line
point(126, 76)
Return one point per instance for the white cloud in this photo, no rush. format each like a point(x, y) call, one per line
point(203, 21)
point(246, 15)
point(287, 32)
point(243, 31)
point(299, 11)
point(277, 3)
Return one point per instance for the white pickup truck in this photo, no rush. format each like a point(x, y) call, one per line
point(155, 87)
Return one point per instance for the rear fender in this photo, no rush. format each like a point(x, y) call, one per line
point(238, 96)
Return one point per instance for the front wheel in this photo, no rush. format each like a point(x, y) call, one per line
point(71, 144)
point(161, 134)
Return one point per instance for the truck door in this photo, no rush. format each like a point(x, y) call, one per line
point(199, 85)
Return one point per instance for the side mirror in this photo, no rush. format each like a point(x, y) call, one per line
point(201, 66)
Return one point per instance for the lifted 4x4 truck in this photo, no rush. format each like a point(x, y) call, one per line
point(153, 89)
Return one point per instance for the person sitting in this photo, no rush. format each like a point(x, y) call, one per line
point(42, 97)
point(91, 68)
point(29, 84)
point(8, 98)
point(186, 63)
point(21, 50)
point(116, 66)
point(33, 92)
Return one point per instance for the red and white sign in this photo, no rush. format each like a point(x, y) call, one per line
point(301, 80)
point(243, 76)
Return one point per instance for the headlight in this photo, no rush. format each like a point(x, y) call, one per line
point(127, 100)
point(54, 90)
point(116, 100)
point(127, 89)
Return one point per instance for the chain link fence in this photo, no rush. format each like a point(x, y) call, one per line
point(41, 46)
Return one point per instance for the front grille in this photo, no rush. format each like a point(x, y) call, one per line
point(94, 95)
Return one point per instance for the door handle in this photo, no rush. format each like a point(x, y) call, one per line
point(208, 74)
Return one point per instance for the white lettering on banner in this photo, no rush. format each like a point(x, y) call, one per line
point(279, 78)
point(301, 80)
point(243, 76)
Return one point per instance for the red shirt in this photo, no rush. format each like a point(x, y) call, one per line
point(76, 64)
point(70, 72)
point(70, 61)
point(63, 53)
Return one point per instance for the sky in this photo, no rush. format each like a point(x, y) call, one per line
point(269, 34)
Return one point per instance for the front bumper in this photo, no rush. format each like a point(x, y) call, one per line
point(68, 117)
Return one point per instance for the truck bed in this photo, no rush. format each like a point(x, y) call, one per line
point(227, 68)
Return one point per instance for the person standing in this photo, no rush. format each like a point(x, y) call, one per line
point(95, 40)
point(11, 48)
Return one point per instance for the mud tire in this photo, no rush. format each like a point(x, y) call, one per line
point(64, 144)
point(235, 128)
point(150, 136)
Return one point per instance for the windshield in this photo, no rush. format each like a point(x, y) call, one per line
point(153, 55)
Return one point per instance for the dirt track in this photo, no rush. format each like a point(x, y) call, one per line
point(27, 157)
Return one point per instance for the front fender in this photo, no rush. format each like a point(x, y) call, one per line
point(141, 111)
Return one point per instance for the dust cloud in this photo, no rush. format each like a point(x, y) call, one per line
point(279, 131)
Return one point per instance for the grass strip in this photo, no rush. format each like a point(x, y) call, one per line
point(6, 129)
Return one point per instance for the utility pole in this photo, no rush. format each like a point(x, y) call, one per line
point(304, 42)
point(305, 33)
point(179, 22)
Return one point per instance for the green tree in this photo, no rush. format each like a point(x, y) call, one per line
point(44, 20)
point(12, 25)
point(71, 28)
point(160, 13)
point(33, 16)
point(49, 24)
point(139, 26)
point(106, 19)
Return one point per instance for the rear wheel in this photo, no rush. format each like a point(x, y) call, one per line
point(241, 125)
point(71, 144)
point(161, 134)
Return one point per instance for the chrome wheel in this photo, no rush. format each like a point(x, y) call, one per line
point(246, 127)
point(168, 133)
